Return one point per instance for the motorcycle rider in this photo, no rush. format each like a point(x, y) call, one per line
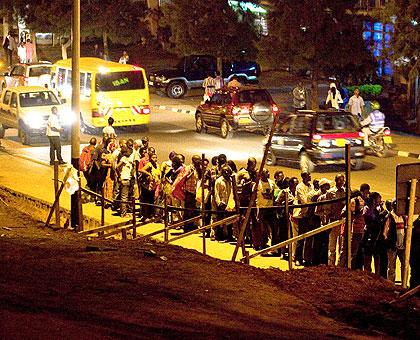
point(374, 122)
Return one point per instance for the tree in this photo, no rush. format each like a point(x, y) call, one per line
point(210, 27)
point(116, 20)
point(322, 36)
point(404, 50)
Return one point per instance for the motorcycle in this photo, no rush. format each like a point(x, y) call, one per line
point(379, 142)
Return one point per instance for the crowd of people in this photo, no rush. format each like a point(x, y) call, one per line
point(129, 168)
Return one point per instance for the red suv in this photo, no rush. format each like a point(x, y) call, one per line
point(234, 109)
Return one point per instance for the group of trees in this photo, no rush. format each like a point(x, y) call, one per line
point(120, 21)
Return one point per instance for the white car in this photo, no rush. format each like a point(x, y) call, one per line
point(27, 109)
point(34, 74)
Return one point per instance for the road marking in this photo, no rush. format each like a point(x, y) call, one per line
point(174, 109)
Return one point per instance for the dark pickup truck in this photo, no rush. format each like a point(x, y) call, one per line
point(191, 71)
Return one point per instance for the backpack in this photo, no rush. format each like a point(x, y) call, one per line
point(85, 159)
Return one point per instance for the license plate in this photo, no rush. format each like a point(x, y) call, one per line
point(244, 120)
point(340, 142)
point(387, 140)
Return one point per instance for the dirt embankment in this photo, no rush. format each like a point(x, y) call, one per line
point(56, 284)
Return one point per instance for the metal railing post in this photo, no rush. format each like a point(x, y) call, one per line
point(347, 239)
point(133, 209)
point(165, 218)
point(290, 246)
point(57, 206)
point(203, 215)
point(103, 206)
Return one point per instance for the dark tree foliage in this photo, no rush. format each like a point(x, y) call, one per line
point(120, 20)
point(404, 49)
point(322, 36)
point(210, 27)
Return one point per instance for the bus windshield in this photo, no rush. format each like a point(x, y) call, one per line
point(119, 81)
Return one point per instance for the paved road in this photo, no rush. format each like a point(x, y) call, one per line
point(175, 131)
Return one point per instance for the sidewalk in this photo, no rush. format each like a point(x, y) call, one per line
point(33, 178)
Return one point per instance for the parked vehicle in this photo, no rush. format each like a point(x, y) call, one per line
point(233, 109)
point(318, 138)
point(33, 74)
point(191, 71)
point(106, 89)
point(379, 142)
point(27, 109)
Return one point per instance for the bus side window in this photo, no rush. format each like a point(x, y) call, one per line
point(88, 88)
point(61, 77)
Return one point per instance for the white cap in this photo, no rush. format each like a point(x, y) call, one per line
point(323, 181)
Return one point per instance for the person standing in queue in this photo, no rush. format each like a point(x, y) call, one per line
point(53, 133)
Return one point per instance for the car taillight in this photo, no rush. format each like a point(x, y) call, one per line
point(275, 109)
point(97, 113)
point(140, 110)
point(387, 132)
point(241, 110)
point(316, 138)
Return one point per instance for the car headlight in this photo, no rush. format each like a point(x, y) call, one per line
point(358, 141)
point(323, 143)
point(35, 120)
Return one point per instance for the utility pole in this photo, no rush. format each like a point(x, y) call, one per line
point(75, 106)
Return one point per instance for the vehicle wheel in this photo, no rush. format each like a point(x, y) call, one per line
point(380, 149)
point(305, 162)
point(271, 159)
point(199, 123)
point(24, 137)
point(176, 90)
point(356, 164)
point(225, 129)
point(2, 131)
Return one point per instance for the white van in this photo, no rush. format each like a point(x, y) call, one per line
point(27, 109)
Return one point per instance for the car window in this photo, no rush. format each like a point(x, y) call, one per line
point(336, 123)
point(18, 70)
point(6, 98)
point(13, 100)
point(221, 99)
point(253, 96)
point(301, 124)
point(38, 98)
point(39, 71)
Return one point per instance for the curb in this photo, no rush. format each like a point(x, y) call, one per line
point(174, 109)
point(407, 154)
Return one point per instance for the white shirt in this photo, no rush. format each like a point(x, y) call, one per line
point(53, 122)
point(126, 168)
point(302, 197)
point(356, 104)
point(109, 131)
point(334, 100)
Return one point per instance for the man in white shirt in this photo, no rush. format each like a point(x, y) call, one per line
point(109, 131)
point(53, 133)
point(356, 104)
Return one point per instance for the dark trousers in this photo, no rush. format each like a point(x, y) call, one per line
point(190, 203)
point(55, 147)
point(147, 196)
point(302, 228)
point(9, 56)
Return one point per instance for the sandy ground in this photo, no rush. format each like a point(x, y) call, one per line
point(55, 284)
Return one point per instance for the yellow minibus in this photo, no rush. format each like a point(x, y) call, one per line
point(106, 89)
